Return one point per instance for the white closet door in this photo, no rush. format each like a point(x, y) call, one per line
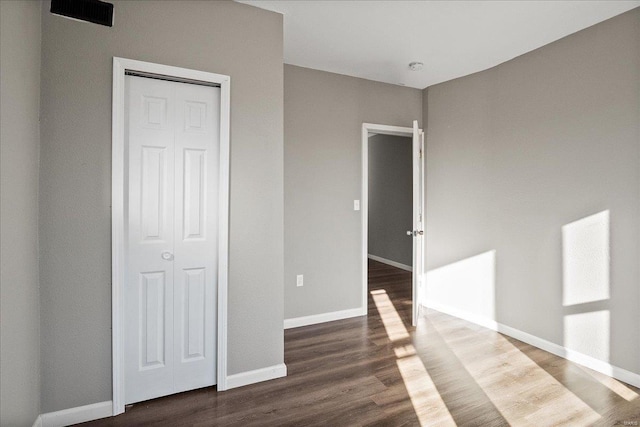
point(170, 295)
point(196, 243)
point(149, 288)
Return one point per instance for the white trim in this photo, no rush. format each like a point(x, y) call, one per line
point(314, 319)
point(117, 235)
point(79, 414)
point(256, 376)
point(553, 348)
point(390, 262)
point(223, 230)
point(375, 129)
point(367, 129)
point(120, 65)
point(38, 421)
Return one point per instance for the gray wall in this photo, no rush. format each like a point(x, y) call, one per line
point(75, 231)
point(324, 113)
point(19, 288)
point(517, 152)
point(390, 198)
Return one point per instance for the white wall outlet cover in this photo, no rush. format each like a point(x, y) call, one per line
point(356, 205)
point(299, 280)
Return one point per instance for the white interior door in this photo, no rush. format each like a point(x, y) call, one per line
point(172, 142)
point(418, 221)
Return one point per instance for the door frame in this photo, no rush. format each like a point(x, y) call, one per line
point(368, 128)
point(118, 192)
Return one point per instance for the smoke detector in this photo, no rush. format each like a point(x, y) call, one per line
point(416, 66)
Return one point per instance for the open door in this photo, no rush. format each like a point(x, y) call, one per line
point(417, 231)
point(418, 221)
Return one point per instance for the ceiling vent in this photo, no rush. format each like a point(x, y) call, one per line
point(95, 11)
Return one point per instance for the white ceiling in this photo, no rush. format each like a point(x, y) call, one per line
point(377, 40)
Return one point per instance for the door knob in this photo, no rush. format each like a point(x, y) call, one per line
point(409, 233)
point(167, 256)
point(415, 233)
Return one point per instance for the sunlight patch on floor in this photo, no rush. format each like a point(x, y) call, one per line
point(390, 318)
point(427, 402)
point(523, 392)
point(612, 384)
point(425, 399)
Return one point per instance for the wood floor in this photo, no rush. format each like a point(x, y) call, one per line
point(380, 371)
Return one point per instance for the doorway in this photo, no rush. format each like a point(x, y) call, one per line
point(390, 201)
point(170, 230)
point(395, 218)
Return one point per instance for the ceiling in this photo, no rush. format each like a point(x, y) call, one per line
point(377, 40)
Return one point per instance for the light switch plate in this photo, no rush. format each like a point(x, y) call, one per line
point(299, 280)
point(356, 205)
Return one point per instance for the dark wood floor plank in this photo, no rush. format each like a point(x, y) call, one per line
point(444, 372)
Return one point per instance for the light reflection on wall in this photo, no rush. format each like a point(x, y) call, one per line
point(585, 253)
point(585, 285)
point(588, 333)
point(466, 286)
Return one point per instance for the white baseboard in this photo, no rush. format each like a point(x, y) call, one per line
point(296, 322)
point(96, 411)
point(76, 415)
point(256, 376)
point(390, 262)
point(553, 348)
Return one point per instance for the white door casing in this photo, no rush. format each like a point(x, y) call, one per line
point(191, 192)
point(170, 293)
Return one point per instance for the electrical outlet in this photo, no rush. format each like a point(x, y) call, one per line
point(299, 280)
point(356, 205)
